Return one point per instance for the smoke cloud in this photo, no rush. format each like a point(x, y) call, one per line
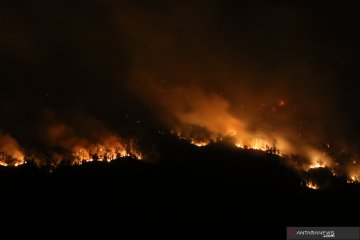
point(272, 79)
point(267, 75)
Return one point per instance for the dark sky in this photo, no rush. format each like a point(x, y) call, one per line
point(134, 67)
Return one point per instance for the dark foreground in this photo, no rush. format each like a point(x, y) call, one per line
point(190, 193)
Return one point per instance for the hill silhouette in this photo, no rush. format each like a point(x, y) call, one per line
point(188, 192)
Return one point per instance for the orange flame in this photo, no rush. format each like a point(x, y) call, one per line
point(105, 146)
point(108, 150)
point(312, 185)
point(10, 152)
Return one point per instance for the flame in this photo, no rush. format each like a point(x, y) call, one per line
point(354, 174)
point(255, 143)
point(105, 151)
point(312, 185)
point(200, 143)
point(312, 158)
point(274, 125)
point(3, 164)
point(101, 145)
point(278, 146)
point(353, 179)
point(10, 152)
point(281, 103)
point(318, 159)
point(75, 150)
point(316, 165)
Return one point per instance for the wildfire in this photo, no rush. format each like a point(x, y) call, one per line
point(312, 185)
point(318, 159)
point(316, 165)
point(10, 152)
point(254, 143)
point(3, 164)
point(103, 152)
point(255, 146)
point(259, 144)
point(281, 103)
point(353, 173)
point(353, 179)
point(313, 158)
point(200, 143)
point(100, 145)
point(103, 147)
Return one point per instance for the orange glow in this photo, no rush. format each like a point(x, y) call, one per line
point(316, 165)
point(318, 159)
point(260, 144)
point(353, 172)
point(309, 157)
point(108, 151)
point(10, 152)
point(3, 164)
point(312, 185)
point(199, 143)
point(104, 146)
point(353, 179)
point(256, 144)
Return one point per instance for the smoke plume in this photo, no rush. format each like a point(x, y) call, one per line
point(267, 75)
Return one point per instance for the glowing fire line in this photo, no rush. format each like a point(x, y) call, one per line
point(312, 185)
point(316, 159)
point(109, 149)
